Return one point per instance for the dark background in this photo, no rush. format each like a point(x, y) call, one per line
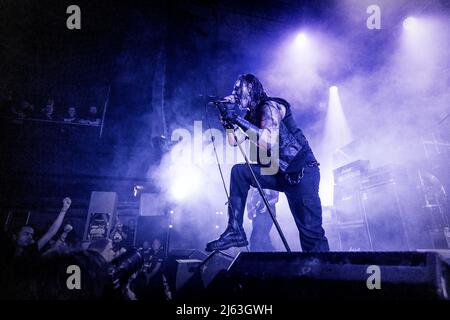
point(125, 52)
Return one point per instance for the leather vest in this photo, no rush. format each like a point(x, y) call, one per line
point(294, 150)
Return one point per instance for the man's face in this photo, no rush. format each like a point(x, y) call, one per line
point(72, 111)
point(49, 108)
point(156, 244)
point(145, 245)
point(117, 237)
point(25, 237)
point(242, 92)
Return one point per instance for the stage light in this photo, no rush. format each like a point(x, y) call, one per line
point(300, 39)
point(333, 90)
point(186, 182)
point(410, 23)
point(170, 226)
point(179, 191)
point(171, 211)
point(337, 134)
point(137, 190)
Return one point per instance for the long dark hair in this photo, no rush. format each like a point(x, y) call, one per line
point(257, 93)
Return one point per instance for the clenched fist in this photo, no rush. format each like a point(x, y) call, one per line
point(67, 228)
point(66, 203)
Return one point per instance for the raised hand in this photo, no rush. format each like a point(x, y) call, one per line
point(66, 203)
point(67, 228)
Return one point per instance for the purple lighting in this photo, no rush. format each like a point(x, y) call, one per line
point(300, 39)
point(410, 23)
point(333, 90)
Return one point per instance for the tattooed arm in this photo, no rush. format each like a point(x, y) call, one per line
point(267, 133)
point(272, 114)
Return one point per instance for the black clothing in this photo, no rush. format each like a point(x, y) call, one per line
point(294, 149)
point(298, 177)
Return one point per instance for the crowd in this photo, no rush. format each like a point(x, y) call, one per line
point(21, 109)
point(40, 267)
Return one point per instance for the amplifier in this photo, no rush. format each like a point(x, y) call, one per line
point(386, 218)
point(347, 204)
point(386, 174)
point(395, 218)
point(102, 214)
point(355, 237)
point(351, 172)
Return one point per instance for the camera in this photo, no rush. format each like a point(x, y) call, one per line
point(124, 266)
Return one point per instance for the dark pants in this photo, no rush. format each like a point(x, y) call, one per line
point(303, 199)
point(261, 226)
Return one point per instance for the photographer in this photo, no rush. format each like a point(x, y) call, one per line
point(122, 267)
point(104, 247)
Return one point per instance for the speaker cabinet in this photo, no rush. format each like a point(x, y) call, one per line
point(216, 262)
point(347, 203)
point(386, 219)
point(101, 215)
point(354, 237)
point(195, 276)
point(186, 269)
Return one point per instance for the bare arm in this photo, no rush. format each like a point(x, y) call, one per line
point(55, 226)
point(266, 134)
point(272, 114)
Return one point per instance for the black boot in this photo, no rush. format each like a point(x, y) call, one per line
point(234, 234)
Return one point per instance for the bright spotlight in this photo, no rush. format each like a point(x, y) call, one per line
point(179, 191)
point(409, 23)
point(333, 90)
point(186, 183)
point(337, 134)
point(300, 39)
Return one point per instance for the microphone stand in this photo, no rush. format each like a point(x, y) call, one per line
point(258, 186)
point(263, 196)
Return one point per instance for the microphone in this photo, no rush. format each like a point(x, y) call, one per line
point(231, 99)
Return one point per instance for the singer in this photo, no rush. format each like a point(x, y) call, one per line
point(269, 122)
